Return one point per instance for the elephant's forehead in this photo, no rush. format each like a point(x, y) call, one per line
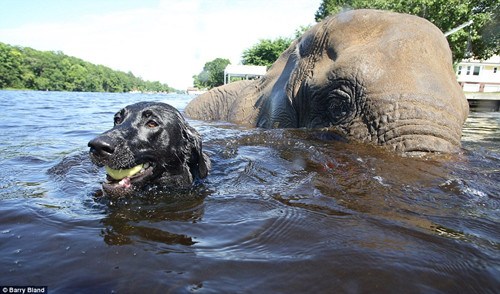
point(360, 27)
point(384, 48)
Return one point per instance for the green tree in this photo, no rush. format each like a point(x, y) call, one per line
point(212, 74)
point(445, 14)
point(266, 52)
point(11, 70)
point(45, 70)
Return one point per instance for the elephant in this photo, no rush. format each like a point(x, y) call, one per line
point(371, 76)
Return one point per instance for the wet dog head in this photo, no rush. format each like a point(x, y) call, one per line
point(150, 144)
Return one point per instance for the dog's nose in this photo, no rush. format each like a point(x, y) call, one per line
point(102, 146)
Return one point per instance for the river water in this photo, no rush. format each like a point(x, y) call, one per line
point(285, 211)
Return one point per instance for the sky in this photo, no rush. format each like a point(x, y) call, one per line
point(158, 40)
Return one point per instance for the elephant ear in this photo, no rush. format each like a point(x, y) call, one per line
point(198, 162)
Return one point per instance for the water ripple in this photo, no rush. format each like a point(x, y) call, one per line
point(281, 211)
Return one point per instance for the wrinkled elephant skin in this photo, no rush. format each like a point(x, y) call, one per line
point(372, 76)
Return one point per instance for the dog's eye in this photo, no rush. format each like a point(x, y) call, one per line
point(151, 124)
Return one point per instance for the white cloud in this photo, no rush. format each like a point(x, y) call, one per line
point(170, 42)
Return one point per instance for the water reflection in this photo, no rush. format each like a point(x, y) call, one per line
point(482, 133)
point(126, 223)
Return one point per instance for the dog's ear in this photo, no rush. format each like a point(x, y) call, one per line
point(198, 162)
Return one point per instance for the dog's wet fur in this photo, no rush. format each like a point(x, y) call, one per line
point(156, 136)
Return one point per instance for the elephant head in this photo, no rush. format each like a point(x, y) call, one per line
point(372, 76)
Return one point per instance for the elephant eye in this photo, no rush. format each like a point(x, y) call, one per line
point(341, 105)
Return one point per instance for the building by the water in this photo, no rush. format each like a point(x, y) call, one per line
point(479, 75)
point(243, 71)
point(480, 81)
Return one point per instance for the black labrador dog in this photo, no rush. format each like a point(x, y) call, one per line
point(150, 144)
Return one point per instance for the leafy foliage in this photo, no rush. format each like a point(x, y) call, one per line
point(212, 74)
point(26, 68)
point(266, 52)
point(445, 14)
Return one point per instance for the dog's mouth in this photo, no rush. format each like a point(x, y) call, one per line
point(120, 180)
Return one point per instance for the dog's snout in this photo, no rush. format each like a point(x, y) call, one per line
point(102, 146)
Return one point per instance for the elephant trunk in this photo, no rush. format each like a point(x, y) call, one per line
point(415, 123)
point(414, 137)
